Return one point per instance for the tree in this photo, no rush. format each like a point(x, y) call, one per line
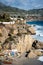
point(5, 17)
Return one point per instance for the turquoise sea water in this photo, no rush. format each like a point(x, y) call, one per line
point(39, 29)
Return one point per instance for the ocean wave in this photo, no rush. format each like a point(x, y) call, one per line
point(40, 33)
point(37, 37)
point(37, 26)
point(39, 30)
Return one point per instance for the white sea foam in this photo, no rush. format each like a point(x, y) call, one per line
point(40, 58)
point(39, 30)
point(37, 37)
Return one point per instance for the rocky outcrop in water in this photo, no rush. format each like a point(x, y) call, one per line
point(37, 44)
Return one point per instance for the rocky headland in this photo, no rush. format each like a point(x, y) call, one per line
point(18, 36)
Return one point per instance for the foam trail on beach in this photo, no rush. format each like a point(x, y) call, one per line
point(40, 58)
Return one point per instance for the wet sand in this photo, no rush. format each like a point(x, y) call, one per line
point(25, 61)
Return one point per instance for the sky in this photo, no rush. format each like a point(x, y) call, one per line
point(24, 4)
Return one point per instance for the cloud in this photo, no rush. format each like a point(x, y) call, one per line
point(24, 4)
point(8, 0)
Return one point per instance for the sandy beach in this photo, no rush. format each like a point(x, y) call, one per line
point(24, 61)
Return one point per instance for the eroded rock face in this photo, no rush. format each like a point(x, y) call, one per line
point(0, 47)
point(24, 28)
point(4, 34)
point(15, 31)
point(25, 43)
point(22, 31)
point(18, 36)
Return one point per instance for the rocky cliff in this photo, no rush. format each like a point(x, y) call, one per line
point(18, 36)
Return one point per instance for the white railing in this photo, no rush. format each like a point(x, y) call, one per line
point(8, 22)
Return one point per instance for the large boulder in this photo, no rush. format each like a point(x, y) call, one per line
point(37, 45)
point(32, 55)
point(38, 53)
point(31, 30)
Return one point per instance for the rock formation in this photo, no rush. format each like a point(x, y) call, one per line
point(18, 36)
point(25, 43)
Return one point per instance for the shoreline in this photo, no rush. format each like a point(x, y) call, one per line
point(25, 61)
point(38, 28)
point(18, 36)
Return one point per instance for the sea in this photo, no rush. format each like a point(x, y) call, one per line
point(38, 25)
